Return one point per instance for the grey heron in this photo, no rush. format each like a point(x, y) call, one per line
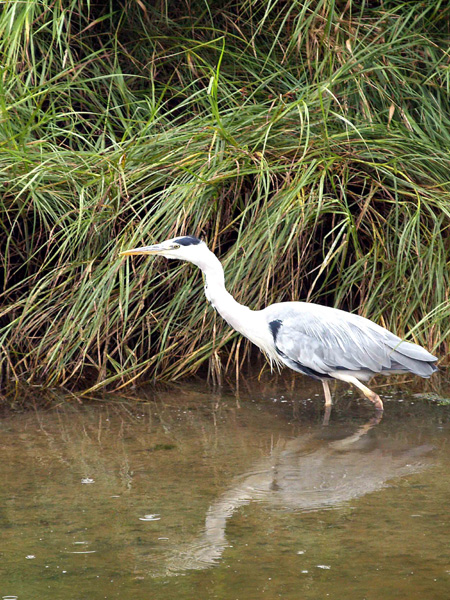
point(322, 342)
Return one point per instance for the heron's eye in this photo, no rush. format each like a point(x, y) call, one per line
point(176, 246)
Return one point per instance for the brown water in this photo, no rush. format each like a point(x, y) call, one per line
point(191, 493)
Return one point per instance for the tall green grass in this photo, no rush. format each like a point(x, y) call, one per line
point(307, 141)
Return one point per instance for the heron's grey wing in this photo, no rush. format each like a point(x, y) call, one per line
point(317, 348)
point(319, 340)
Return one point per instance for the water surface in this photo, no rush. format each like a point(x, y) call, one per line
point(195, 493)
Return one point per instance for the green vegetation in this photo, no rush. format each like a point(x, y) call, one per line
point(307, 141)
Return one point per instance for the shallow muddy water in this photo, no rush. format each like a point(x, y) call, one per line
point(192, 493)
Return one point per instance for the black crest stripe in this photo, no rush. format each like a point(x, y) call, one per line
point(188, 240)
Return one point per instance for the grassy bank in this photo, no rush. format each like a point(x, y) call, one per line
point(308, 142)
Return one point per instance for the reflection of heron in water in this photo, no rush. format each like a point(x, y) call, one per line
point(301, 474)
point(322, 342)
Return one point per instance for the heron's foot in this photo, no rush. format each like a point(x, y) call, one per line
point(378, 403)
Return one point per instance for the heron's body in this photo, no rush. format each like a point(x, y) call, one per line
point(324, 343)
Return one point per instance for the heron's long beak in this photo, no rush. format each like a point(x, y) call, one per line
point(156, 249)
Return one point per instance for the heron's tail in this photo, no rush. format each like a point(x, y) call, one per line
point(412, 358)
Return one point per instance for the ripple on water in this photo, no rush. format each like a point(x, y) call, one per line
point(81, 543)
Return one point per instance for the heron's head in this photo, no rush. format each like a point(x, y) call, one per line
point(184, 248)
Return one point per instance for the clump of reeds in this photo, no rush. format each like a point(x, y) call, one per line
point(308, 142)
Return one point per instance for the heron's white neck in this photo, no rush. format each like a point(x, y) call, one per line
point(235, 314)
point(240, 317)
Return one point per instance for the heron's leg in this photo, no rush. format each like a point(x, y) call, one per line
point(366, 391)
point(327, 415)
point(326, 391)
point(328, 402)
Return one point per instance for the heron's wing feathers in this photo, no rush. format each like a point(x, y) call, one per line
point(328, 346)
point(310, 337)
